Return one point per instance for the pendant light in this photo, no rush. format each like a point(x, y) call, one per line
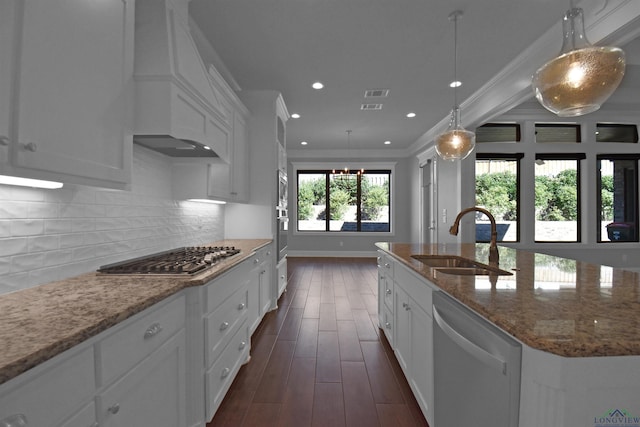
point(583, 76)
point(457, 142)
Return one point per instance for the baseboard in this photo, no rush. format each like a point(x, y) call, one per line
point(332, 254)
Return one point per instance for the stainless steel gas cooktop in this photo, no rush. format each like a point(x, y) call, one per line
point(185, 260)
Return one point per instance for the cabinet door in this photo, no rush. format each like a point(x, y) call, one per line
point(240, 160)
point(253, 300)
point(72, 103)
point(421, 377)
point(402, 335)
point(152, 393)
point(265, 288)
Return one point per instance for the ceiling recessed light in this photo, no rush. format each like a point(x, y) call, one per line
point(304, 143)
point(455, 83)
point(387, 143)
point(411, 115)
point(317, 85)
point(295, 116)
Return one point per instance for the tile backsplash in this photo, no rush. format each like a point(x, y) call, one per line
point(47, 235)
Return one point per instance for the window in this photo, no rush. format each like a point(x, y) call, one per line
point(618, 198)
point(355, 201)
point(557, 133)
point(498, 191)
point(557, 197)
point(498, 132)
point(616, 133)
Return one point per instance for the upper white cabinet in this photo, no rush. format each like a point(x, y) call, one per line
point(67, 93)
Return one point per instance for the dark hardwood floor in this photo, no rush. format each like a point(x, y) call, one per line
point(320, 359)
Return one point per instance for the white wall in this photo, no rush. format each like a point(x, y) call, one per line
point(47, 235)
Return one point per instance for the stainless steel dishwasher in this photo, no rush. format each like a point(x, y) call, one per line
point(476, 369)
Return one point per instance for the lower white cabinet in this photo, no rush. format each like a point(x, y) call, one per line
point(54, 393)
point(152, 393)
point(406, 319)
point(282, 277)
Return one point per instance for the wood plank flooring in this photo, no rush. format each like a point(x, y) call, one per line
point(320, 359)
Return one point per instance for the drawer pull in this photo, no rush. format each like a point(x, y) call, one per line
point(241, 306)
point(256, 261)
point(31, 146)
point(388, 325)
point(268, 253)
point(224, 326)
point(225, 373)
point(388, 291)
point(381, 277)
point(4, 141)
point(16, 420)
point(406, 306)
point(114, 409)
point(242, 345)
point(387, 265)
point(152, 331)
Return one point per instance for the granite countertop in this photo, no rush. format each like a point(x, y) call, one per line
point(40, 322)
point(557, 305)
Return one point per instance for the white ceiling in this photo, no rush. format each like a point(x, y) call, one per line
point(405, 46)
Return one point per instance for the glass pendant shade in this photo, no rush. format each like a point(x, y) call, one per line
point(456, 142)
point(582, 77)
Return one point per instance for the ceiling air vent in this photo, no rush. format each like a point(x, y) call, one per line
point(376, 93)
point(369, 107)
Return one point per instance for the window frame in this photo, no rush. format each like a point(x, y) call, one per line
point(331, 169)
point(517, 157)
point(631, 157)
point(578, 157)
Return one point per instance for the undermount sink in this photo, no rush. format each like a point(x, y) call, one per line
point(453, 264)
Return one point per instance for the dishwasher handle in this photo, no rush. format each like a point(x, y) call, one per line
point(475, 351)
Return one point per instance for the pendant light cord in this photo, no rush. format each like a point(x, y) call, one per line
point(455, 58)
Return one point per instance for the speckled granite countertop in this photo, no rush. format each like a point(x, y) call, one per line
point(561, 306)
point(40, 322)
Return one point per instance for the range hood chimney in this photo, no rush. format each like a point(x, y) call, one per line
point(178, 111)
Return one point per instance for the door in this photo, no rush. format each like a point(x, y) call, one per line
point(429, 202)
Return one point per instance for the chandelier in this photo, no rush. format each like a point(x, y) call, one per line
point(456, 142)
point(583, 76)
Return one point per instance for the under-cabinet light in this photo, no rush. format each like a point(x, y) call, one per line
point(217, 202)
point(28, 182)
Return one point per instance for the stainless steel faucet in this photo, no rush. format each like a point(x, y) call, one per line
point(494, 257)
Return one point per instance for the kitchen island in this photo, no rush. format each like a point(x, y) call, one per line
point(578, 324)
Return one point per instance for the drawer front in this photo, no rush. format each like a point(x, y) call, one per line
point(219, 377)
point(123, 349)
point(54, 392)
point(224, 322)
point(419, 289)
point(262, 255)
point(221, 288)
point(385, 264)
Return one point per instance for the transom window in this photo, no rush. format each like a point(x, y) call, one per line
point(344, 200)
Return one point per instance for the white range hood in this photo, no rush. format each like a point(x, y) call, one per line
point(178, 111)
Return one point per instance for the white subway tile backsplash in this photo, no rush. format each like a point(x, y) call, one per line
point(48, 235)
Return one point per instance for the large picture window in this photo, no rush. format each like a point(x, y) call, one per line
point(498, 191)
point(344, 201)
point(618, 198)
point(557, 197)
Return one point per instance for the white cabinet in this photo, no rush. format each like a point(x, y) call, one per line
point(70, 88)
point(282, 277)
point(405, 316)
point(142, 368)
point(64, 384)
point(153, 393)
point(260, 289)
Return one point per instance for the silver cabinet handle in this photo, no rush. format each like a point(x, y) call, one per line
point(224, 326)
point(4, 141)
point(268, 253)
point(406, 306)
point(388, 291)
point(242, 345)
point(30, 146)
point(256, 261)
point(388, 325)
point(282, 277)
point(225, 373)
point(382, 277)
point(95, 424)
point(387, 265)
point(15, 420)
point(152, 331)
point(241, 306)
point(114, 409)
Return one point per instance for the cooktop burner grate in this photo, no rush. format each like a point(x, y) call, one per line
point(186, 260)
